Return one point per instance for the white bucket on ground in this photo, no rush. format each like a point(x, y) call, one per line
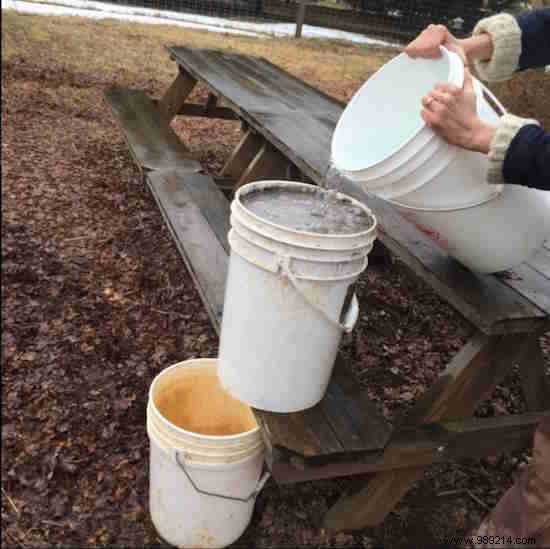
point(283, 319)
point(203, 478)
point(491, 237)
point(382, 143)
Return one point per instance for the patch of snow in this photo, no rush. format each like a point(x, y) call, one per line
point(36, 8)
point(103, 10)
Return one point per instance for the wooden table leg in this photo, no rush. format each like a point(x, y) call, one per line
point(470, 377)
point(268, 163)
point(175, 96)
point(534, 381)
point(242, 155)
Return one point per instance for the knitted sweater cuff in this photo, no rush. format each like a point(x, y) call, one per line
point(508, 127)
point(506, 37)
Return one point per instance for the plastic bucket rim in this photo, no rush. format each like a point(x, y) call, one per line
point(238, 447)
point(497, 194)
point(298, 276)
point(210, 459)
point(340, 245)
point(381, 182)
point(272, 182)
point(433, 138)
point(300, 246)
point(166, 422)
point(459, 82)
point(223, 466)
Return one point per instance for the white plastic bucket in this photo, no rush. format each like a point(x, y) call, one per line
point(382, 143)
point(491, 237)
point(202, 487)
point(285, 291)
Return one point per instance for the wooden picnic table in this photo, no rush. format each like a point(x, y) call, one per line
point(287, 129)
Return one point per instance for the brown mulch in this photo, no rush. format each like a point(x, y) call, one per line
point(96, 301)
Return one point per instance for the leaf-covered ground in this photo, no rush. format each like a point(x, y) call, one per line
point(96, 301)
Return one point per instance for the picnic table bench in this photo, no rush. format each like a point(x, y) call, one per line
point(287, 129)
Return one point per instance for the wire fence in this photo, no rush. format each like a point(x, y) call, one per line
point(399, 20)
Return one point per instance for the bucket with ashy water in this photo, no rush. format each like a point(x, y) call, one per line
point(206, 458)
point(288, 294)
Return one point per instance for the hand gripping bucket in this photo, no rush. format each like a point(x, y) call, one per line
point(382, 143)
point(283, 317)
point(203, 479)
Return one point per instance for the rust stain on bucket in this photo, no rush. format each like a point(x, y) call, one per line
point(196, 402)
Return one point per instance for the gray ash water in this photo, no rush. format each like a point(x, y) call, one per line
point(311, 210)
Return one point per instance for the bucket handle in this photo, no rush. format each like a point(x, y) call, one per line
point(179, 458)
point(351, 315)
point(480, 89)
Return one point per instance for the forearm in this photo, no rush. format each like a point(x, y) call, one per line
point(527, 160)
point(478, 47)
point(519, 153)
point(502, 44)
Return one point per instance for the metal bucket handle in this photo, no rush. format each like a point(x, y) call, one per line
point(179, 458)
point(351, 315)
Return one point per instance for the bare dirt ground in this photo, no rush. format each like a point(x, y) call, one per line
point(96, 301)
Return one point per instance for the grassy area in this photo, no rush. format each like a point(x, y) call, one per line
point(132, 52)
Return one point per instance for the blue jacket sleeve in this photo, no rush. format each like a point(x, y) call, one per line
point(535, 38)
point(527, 161)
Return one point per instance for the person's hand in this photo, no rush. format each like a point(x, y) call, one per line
point(451, 112)
point(427, 43)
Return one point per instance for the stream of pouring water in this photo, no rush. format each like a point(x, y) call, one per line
point(332, 181)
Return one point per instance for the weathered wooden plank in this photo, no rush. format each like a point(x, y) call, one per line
point(152, 145)
point(299, 121)
point(221, 113)
point(211, 102)
point(541, 262)
point(212, 204)
point(356, 420)
point(471, 376)
point(343, 422)
point(534, 380)
point(254, 81)
point(305, 433)
point(204, 111)
point(205, 257)
point(424, 445)
point(242, 156)
point(529, 283)
point(225, 184)
point(267, 164)
point(175, 96)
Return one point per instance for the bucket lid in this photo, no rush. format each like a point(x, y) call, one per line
point(384, 115)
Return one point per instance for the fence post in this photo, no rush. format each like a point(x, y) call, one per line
point(301, 15)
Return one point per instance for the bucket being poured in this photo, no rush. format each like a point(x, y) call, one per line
point(490, 237)
point(206, 457)
point(295, 251)
point(382, 143)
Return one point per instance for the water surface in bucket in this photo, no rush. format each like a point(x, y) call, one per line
point(196, 402)
point(314, 210)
